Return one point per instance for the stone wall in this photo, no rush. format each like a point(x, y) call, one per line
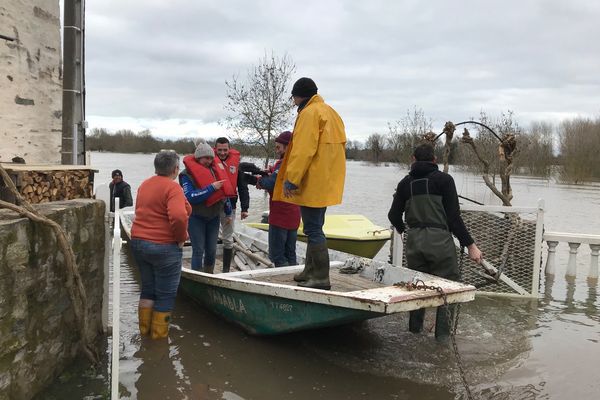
point(38, 333)
point(30, 81)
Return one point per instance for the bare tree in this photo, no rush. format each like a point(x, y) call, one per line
point(375, 145)
point(353, 149)
point(488, 145)
point(259, 106)
point(536, 156)
point(407, 132)
point(579, 148)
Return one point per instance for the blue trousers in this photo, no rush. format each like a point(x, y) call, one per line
point(204, 233)
point(282, 246)
point(160, 269)
point(313, 220)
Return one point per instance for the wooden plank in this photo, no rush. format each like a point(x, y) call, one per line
point(353, 281)
point(339, 282)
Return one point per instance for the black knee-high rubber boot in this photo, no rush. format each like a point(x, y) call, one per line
point(415, 320)
point(443, 323)
point(227, 255)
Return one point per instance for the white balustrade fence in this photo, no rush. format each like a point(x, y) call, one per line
point(574, 240)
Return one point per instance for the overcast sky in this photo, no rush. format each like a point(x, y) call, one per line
point(162, 64)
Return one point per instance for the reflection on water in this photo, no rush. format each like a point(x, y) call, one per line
point(511, 348)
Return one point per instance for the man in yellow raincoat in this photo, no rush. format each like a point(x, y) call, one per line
point(312, 175)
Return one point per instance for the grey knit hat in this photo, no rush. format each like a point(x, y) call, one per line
point(203, 149)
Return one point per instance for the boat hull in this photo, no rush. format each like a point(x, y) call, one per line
point(261, 314)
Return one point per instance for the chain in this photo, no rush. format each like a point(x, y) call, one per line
point(460, 269)
point(419, 284)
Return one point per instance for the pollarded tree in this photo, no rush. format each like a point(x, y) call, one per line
point(259, 106)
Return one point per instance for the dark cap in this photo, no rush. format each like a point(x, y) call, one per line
point(284, 137)
point(116, 172)
point(304, 87)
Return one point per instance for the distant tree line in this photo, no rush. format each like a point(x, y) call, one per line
point(574, 162)
point(573, 159)
point(127, 141)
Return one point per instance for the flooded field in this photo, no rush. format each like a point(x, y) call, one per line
point(512, 348)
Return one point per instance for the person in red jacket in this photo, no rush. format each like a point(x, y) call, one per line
point(206, 187)
point(284, 218)
point(230, 159)
point(157, 236)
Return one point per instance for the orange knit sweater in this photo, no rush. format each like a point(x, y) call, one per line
point(161, 211)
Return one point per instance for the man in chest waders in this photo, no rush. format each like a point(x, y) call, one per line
point(429, 201)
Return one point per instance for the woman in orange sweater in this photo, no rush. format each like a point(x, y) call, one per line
point(158, 233)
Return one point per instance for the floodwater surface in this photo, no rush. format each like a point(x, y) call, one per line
point(511, 348)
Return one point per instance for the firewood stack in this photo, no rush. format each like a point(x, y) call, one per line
point(42, 187)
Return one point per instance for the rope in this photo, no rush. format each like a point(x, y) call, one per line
point(73, 282)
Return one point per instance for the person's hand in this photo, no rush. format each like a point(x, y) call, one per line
point(180, 244)
point(228, 220)
point(218, 184)
point(289, 189)
point(244, 215)
point(475, 254)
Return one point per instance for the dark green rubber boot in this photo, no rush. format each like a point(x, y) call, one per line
point(318, 276)
point(415, 320)
point(443, 323)
point(301, 276)
point(227, 255)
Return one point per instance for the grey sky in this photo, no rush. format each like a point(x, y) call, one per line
point(162, 64)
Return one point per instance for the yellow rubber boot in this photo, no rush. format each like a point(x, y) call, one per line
point(160, 324)
point(145, 320)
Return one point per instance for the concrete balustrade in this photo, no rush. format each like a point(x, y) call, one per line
point(574, 241)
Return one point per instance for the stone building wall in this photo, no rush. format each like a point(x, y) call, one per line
point(30, 81)
point(38, 333)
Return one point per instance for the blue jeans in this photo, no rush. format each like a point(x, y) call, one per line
point(282, 246)
point(160, 270)
point(204, 233)
point(313, 220)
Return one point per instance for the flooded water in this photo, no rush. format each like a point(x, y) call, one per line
point(512, 348)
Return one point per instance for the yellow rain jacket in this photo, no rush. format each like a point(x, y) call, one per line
point(315, 160)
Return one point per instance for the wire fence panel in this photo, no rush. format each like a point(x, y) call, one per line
point(510, 239)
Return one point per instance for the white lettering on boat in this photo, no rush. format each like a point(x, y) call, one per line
point(235, 305)
point(282, 307)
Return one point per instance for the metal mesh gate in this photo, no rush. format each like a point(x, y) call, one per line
point(510, 237)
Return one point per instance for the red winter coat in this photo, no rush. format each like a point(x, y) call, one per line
point(281, 214)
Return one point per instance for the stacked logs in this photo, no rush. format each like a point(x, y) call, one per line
point(44, 186)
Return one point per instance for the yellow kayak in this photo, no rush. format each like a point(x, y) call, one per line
point(353, 234)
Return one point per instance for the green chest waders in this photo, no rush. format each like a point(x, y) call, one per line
point(429, 248)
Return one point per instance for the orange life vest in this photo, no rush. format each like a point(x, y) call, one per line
point(204, 176)
point(231, 168)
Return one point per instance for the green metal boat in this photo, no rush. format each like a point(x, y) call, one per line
point(266, 301)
